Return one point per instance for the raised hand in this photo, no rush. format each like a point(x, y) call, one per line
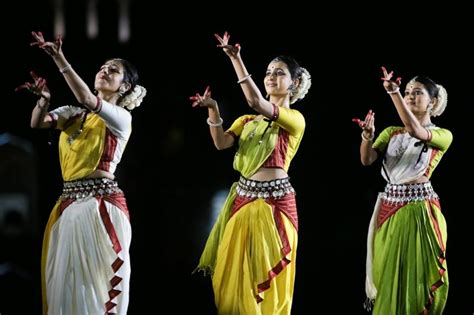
point(231, 51)
point(389, 85)
point(367, 125)
point(38, 86)
point(51, 48)
point(204, 100)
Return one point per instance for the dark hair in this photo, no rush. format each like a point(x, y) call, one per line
point(429, 85)
point(130, 74)
point(293, 66)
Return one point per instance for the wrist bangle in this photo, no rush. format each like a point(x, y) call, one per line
point(244, 78)
point(394, 91)
point(211, 124)
point(365, 138)
point(65, 69)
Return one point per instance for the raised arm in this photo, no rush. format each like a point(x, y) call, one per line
point(253, 95)
point(222, 140)
point(409, 120)
point(367, 154)
point(78, 86)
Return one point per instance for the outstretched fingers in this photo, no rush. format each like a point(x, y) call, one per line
point(359, 122)
point(198, 99)
point(207, 92)
point(59, 41)
point(367, 122)
point(22, 87)
point(38, 86)
point(224, 40)
point(386, 75)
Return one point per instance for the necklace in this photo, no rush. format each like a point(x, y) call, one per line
point(76, 133)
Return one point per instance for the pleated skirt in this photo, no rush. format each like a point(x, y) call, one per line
point(252, 274)
point(86, 263)
point(409, 265)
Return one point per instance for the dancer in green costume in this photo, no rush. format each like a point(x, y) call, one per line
point(406, 265)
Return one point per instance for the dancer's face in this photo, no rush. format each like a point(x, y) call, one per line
point(417, 97)
point(109, 78)
point(277, 79)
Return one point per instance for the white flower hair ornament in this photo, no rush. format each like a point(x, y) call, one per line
point(134, 99)
point(441, 103)
point(303, 88)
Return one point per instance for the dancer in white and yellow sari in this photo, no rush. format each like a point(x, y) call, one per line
point(85, 261)
point(406, 248)
point(251, 251)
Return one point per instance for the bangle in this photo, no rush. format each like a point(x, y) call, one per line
point(211, 124)
point(394, 91)
point(244, 78)
point(66, 68)
point(365, 138)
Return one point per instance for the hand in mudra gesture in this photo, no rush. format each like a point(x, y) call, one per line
point(388, 84)
point(51, 48)
point(231, 51)
point(204, 100)
point(38, 86)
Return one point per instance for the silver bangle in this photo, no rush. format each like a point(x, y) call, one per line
point(244, 78)
point(66, 68)
point(394, 91)
point(365, 138)
point(211, 124)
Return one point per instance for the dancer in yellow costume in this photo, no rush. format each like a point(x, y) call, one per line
point(251, 250)
point(85, 261)
point(406, 254)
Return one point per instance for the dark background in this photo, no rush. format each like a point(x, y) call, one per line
point(170, 171)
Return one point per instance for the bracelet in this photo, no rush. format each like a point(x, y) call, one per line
point(394, 91)
point(244, 78)
point(65, 69)
point(211, 124)
point(365, 138)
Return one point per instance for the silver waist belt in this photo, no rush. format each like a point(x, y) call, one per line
point(402, 193)
point(277, 188)
point(83, 188)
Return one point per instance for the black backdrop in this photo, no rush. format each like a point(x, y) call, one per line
point(171, 171)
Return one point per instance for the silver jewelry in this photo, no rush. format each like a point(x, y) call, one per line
point(370, 138)
point(218, 124)
point(244, 78)
point(66, 68)
point(394, 91)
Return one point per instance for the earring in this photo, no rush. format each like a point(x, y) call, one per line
point(429, 109)
point(292, 89)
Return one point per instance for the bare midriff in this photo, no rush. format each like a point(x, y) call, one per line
point(267, 174)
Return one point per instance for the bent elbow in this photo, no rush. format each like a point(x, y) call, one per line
point(411, 132)
point(219, 146)
point(365, 163)
point(34, 124)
